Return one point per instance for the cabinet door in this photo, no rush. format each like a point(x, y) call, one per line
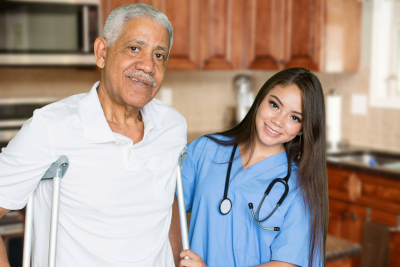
point(338, 218)
point(303, 37)
point(185, 18)
point(221, 34)
point(263, 35)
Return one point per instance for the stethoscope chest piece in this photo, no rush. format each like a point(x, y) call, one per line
point(225, 206)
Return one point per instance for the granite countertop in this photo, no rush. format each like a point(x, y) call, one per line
point(362, 159)
point(337, 248)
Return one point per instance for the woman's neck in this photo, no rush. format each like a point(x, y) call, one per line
point(260, 152)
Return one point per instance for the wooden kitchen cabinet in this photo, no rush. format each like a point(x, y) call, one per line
point(345, 220)
point(221, 34)
point(319, 35)
point(378, 202)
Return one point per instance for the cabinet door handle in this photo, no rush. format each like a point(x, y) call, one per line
point(354, 217)
point(345, 215)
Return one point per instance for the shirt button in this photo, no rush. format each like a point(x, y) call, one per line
point(130, 151)
point(117, 143)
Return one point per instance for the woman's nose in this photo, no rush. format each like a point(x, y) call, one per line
point(277, 120)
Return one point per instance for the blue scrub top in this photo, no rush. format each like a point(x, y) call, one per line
point(235, 239)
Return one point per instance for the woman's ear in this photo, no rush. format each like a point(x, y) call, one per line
point(100, 51)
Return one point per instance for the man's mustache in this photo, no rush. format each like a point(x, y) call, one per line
point(143, 75)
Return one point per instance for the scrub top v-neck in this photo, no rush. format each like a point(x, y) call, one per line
point(235, 239)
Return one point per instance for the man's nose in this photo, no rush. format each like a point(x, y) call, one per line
point(146, 64)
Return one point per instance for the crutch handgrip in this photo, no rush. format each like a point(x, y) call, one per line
point(55, 172)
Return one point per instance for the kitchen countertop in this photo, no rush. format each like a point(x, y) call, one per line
point(337, 248)
point(362, 167)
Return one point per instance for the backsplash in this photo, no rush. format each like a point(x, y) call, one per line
point(207, 98)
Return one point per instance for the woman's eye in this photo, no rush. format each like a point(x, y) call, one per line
point(134, 48)
point(159, 56)
point(296, 119)
point(273, 104)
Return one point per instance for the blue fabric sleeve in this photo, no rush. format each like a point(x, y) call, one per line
point(189, 170)
point(293, 241)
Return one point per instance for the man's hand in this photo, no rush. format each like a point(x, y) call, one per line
point(3, 253)
point(193, 261)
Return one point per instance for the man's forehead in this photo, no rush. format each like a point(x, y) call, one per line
point(142, 30)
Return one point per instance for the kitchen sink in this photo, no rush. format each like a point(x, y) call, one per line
point(367, 158)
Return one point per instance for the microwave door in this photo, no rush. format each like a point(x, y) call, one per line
point(47, 33)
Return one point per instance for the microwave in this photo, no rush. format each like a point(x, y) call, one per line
point(48, 32)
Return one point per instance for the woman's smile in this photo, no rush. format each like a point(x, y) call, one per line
point(271, 132)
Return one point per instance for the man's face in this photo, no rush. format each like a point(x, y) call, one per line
point(135, 65)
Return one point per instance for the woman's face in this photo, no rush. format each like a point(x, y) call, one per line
point(279, 117)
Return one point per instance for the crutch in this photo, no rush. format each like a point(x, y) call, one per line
point(56, 171)
point(181, 201)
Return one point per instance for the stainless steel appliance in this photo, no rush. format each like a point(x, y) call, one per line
point(48, 32)
point(14, 112)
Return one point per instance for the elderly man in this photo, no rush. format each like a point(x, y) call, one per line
point(123, 146)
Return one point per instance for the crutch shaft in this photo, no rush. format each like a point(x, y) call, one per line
point(26, 260)
point(54, 221)
point(182, 210)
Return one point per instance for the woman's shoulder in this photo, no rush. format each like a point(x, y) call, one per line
point(206, 144)
point(209, 141)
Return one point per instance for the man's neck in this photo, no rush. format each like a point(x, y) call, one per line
point(121, 118)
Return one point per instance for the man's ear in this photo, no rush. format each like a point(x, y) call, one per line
point(100, 50)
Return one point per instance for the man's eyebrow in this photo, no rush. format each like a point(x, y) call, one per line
point(163, 48)
point(280, 102)
point(143, 43)
point(139, 42)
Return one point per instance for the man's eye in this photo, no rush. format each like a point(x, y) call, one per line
point(159, 56)
point(134, 48)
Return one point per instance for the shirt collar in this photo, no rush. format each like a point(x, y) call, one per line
point(94, 123)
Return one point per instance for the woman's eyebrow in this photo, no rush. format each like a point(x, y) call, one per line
point(277, 99)
point(280, 102)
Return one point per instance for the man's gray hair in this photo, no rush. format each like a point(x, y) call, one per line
point(119, 16)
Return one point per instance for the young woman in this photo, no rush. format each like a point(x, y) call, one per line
point(242, 215)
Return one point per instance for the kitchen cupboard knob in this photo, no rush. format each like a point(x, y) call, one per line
point(354, 217)
point(345, 215)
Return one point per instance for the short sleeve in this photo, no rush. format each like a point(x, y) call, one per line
point(293, 241)
point(23, 163)
point(189, 170)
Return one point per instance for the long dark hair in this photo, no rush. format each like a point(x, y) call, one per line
point(311, 175)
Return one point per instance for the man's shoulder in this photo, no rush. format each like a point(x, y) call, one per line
point(66, 106)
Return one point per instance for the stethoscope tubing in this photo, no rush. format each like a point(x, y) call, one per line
point(226, 200)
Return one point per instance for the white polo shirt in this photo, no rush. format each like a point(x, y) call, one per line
point(116, 197)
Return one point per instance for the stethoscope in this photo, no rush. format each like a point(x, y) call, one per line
point(225, 204)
